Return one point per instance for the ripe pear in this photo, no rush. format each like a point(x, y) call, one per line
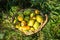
point(36, 25)
point(30, 23)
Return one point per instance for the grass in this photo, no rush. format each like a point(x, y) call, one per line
point(51, 31)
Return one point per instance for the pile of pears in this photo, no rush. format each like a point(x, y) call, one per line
point(28, 20)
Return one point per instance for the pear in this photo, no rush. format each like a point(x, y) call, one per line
point(30, 23)
point(20, 18)
point(24, 28)
point(27, 12)
point(32, 15)
point(39, 18)
point(36, 25)
point(37, 11)
point(26, 18)
point(23, 23)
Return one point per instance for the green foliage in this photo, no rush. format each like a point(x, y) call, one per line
point(13, 10)
point(1, 36)
point(51, 31)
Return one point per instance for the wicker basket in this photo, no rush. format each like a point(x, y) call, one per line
point(40, 27)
